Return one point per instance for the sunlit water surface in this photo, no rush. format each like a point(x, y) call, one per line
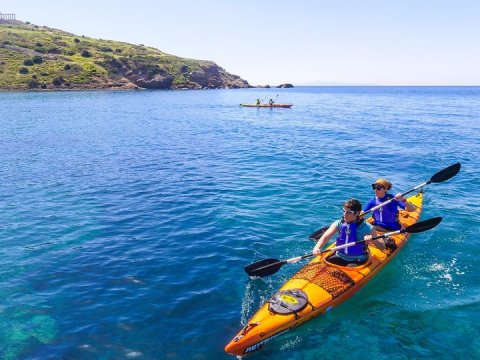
point(127, 219)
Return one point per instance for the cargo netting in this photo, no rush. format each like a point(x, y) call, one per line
point(333, 280)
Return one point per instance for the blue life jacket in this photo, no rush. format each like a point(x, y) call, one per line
point(348, 234)
point(387, 216)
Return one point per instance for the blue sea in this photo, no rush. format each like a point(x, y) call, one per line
point(127, 219)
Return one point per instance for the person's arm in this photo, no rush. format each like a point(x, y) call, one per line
point(369, 235)
point(327, 235)
point(408, 206)
point(368, 231)
point(367, 207)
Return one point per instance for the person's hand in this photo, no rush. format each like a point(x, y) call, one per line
point(316, 251)
point(400, 197)
point(367, 237)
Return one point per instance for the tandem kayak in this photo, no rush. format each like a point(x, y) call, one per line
point(268, 106)
point(315, 289)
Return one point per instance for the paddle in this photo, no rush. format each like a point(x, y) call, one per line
point(273, 101)
point(318, 234)
point(438, 177)
point(270, 266)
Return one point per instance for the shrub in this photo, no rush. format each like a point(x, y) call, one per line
point(43, 86)
point(58, 81)
point(67, 67)
point(23, 70)
point(28, 62)
point(54, 50)
point(37, 59)
point(118, 51)
point(106, 49)
point(39, 44)
point(32, 83)
point(77, 40)
point(85, 53)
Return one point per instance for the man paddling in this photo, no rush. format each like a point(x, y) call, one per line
point(351, 228)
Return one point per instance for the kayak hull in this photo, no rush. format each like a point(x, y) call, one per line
point(268, 106)
point(326, 286)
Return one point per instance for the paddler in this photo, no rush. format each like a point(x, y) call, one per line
point(386, 217)
point(351, 228)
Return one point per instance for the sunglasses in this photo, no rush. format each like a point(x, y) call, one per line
point(348, 212)
point(377, 187)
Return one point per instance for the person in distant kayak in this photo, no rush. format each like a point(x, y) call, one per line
point(258, 102)
point(386, 218)
point(351, 228)
point(271, 102)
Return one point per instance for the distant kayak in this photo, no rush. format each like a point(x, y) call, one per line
point(268, 106)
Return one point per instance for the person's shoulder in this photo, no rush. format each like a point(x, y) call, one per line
point(337, 223)
point(369, 204)
point(366, 225)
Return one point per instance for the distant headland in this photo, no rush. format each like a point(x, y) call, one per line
point(36, 57)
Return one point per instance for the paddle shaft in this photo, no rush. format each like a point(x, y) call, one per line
point(393, 199)
point(298, 258)
point(440, 176)
point(259, 269)
point(274, 101)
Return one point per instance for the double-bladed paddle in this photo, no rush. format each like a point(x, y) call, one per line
point(438, 177)
point(270, 266)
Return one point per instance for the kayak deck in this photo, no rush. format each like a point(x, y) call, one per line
point(268, 105)
point(326, 285)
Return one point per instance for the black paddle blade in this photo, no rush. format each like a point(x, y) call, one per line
point(263, 267)
point(423, 225)
point(446, 173)
point(317, 234)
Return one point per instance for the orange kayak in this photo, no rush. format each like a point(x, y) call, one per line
point(268, 106)
point(315, 289)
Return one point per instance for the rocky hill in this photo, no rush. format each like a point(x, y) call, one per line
point(38, 57)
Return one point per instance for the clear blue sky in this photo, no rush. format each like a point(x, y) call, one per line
point(374, 42)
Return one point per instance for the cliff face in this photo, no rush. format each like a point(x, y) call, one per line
point(189, 74)
point(34, 57)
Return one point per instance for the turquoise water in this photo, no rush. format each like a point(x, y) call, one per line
point(127, 219)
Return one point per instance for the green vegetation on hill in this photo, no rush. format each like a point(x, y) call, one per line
point(35, 57)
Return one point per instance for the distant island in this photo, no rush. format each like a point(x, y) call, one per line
point(36, 57)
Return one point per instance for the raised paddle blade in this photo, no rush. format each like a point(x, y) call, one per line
point(318, 234)
point(423, 225)
point(446, 173)
point(264, 267)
